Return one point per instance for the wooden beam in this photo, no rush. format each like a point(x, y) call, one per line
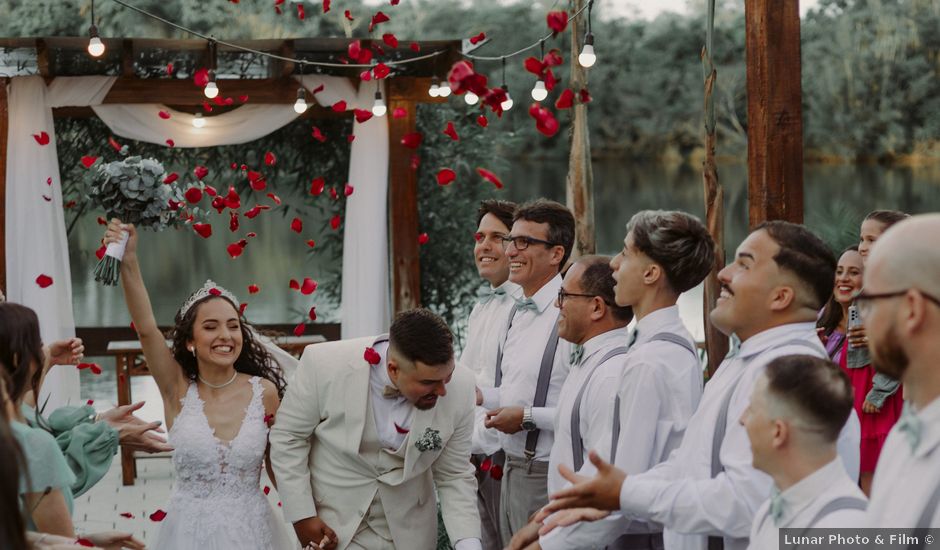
point(284, 68)
point(403, 211)
point(774, 111)
point(127, 57)
point(4, 125)
point(411, 89)
point(42, 59)
point(579, 190)
point(314, 112)
point(184, 92)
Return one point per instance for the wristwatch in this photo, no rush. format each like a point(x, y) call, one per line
point(528, 421)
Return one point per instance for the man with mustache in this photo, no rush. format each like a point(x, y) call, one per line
point(782, 274)
point(901, 310)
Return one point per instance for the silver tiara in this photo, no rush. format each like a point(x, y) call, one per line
point(208, 289)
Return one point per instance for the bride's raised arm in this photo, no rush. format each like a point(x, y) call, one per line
point(164, 368)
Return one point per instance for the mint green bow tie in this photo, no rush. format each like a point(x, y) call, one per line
point(911, 426)
point(776, 506)
point(527, 303)
point(577, 353)
point(487, 293)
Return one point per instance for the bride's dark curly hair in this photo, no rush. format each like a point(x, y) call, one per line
point(254, 359)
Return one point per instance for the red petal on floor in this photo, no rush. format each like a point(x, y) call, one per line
point(164, 115)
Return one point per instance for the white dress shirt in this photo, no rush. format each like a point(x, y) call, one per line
point(660, 386)
point(680, 492)
point(906, 478)
point(522, 360)
point(805, 499)
point(486, 330)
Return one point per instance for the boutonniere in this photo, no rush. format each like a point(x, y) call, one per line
point(430, 441)
point(371, 356)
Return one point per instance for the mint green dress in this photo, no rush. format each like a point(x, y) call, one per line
point(88, 446)
point(46, 466)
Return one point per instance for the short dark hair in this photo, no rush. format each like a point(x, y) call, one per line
point(20, 347)
point(678, 242)
point(598, 279)
point(421, 335)
point(831, 315)
point(560, 222)
point(503, 210)
point(805, 255)
point(816, 387)
point(887, 217)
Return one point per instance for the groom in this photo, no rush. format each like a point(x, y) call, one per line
point(368, 429)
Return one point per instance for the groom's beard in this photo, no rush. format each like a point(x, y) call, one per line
point(426, 402)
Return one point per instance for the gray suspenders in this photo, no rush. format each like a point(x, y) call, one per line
point(926, 516)
point(658, 337)
point(577, 442)
point(841, 503)
point(499, 351)
point(718, 543)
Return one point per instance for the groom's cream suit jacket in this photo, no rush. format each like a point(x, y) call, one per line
point(315, 451)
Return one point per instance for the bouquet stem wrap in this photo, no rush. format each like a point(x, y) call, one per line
point(108, 269)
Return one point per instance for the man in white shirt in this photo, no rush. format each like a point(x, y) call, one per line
point(486, 330)
point(797, 409)
point(533, 363)
point(771, 293)
point(901, 310)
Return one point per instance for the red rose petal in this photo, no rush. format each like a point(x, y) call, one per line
point(267, 490)
point(257, 180)
point(415, 161)
point(84, 542)
point(318, 135)
point(486, 465)
point(44, 281)
point(87, 161)
point(482, 121)
point(206, 107)
point(478, 38)
point(235, 250)
point(550, 80)
point(371, 356)
point(445, 176)
point(365, 76)
point(348, 15)
point(399, 112)
point(42, 138)
point(311, 243)
point(200, 172)
point(415, 47)
point(380, 71)
point(362, 115)
point(204, 230)
point(211, 191)
point(335, 221)
point(170, 143)
point(171, 177)
point(95, 368)
point(339, 106)
point(127, 515)
point(251, 234)
point(300, 11)
point(274, 198)
point(351, 138)
point(49, 181)
point(102, 221)
point(326, 5)
point(496, 472)
point(164, 115)
point(308, 286)
point(215, 291)
point(390, 39)
point(317, 186)
point(193, 195)
point(294, 285)
point(584, 96)
point(451, 131)
point(359, 54)
point(312, 313)
point(100, 252)
point(423, 238)
point(253, 289)
point(333, 194)
point(233, 221)
point(296, 225)
point(377, 19)
point(169, 69)
point(557, 21)
point(412, 140)
point(348, 190)
point(534, 66)
point(242, 307)
point(201, 77)
point(565, 100)
point(270, 159)
point(545, 121)
point(490, 177)
point(159, 515)
point(462, 78)
point(300, 329)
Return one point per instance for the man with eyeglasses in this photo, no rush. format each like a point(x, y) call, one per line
point(486, 329)
point(901, 310)
point(532, 363)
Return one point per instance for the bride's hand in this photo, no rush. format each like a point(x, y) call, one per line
point(114, 540)
point(114, 234)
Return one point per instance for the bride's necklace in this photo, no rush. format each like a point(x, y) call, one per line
point(219, 386)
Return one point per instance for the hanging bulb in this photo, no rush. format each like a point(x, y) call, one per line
point(587, 57)
point(379, 108)
point(471, 98)
point(95, 45)
point(443, 90)
point(435, 89)
point(507, 103)
point(198, 121)
point(211, 90)
point(300, 106)
point(539, 92)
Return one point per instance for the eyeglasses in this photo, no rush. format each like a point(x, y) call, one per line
point(562, 294)
point(864, 301)
point(522, 242)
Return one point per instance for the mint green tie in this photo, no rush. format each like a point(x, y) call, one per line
point(577, 353)
point(776, 506)
point(911, 426)
point(487, 293)
point(525, 304)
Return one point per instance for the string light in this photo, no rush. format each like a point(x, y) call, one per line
point(471, 98)
point(95, 45)
point(300, 106)
point(198, 121)
point(378, 107)
point(211, 90)
point(435, 88)
point(539, 92)
point(587, 57)
point(507, 103)
point(444, 90)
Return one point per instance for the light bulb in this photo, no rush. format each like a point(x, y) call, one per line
point(211, 90)
point(300, 106)
point(539, 92)
point(587, 57)
point(507, 103)
point(378, 107)
point(444, 90)
point(198, 121)
point(95, 45)
point(434, 90)
point(471, 98)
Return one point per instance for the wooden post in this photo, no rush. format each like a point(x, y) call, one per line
point(774, 111)
point(580, 184)
point(403, 208)
point(4, 125)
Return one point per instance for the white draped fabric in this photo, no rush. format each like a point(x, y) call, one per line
point(34, 223)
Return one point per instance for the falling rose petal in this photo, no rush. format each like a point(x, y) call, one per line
point(204, 230)
point(478, 38)
point(557, 21)
point(293, 284)
point(462, 78)
point(334, 194)
point(91, 402)
point(200, 172)
point(95, 369)
point(584, 96)
point(545, 121)
point(451, 131)
point(193, 195)
point(335, 221)
point(296, 225)
point(377, 19)
point(415, 161)
point(365, 76)
point(70, 204)
point(269, 420)
point(171, 177)
point(201, 77)
point(270, 159)
point(317, 186)
point(482, 121)
point(371, 356)
point(348, 190)
point(357, 53)
point(381, 71)
point(348, 15)
point(300, 328)
point(47, 198)
point(308, 286)
point(48, 181)
point(44, 281)
point(100, 252)
point(415, 47)
point(490, 177)
point(399, 112)
point(114, 144)
point(219, 204)
point(169, 69)
point(235, 250)
point(101, 221)
point(206, 107)
point(242, 307)
point(218, 100)
point(534, 66)
point(565, 100)
point(318, 135)
point(174, 205)
point(390, 39)
point(84, 542)
point(351, 138)
point(318, 89)
point(170, 143)
point(394, 2)
point(215, 291)
point(159, 515)
point(550, 80)
point(311, 243)
point(445, 176)
point(257, 180)
point(326, 5)
point(412, 140)
point(423, 238)
point(277, 10)
point(82, 366)
point(312, 313)
point(233, 222)
point(486, 464)
point(274, 198)
point(127, 515)
point(251, 234)
point(253, 289)
point(164, 115)
point(496, 472)
point(267, 490)
point(211, 191)
point(87, 161)
point(42, 138)
point(339, 106)
point(300, 11)
point(362, 115)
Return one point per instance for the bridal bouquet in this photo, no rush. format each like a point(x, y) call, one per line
point(132, 190)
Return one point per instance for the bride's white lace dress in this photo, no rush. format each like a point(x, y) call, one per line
point(217, 502)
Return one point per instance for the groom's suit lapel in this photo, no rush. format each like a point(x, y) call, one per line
point(357, 395)
point(422, 421)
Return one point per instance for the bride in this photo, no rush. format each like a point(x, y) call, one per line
point(220, 389)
